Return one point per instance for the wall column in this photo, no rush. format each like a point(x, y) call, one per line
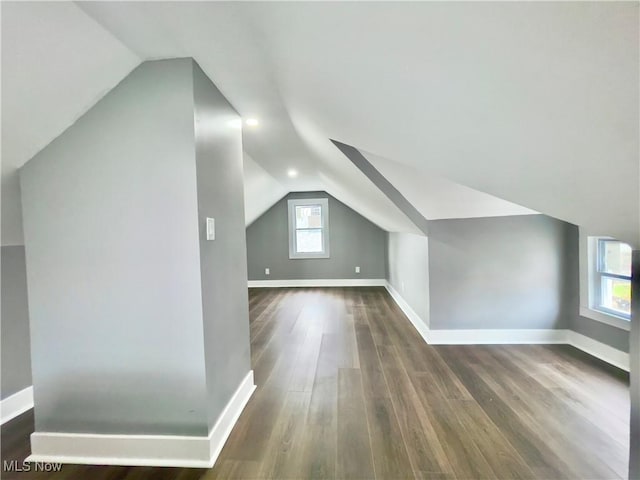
point(130, 305)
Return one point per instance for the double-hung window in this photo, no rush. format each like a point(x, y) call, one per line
point(611, 291)
point(308, 228)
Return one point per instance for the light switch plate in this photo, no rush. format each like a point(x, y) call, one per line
point(211, 228)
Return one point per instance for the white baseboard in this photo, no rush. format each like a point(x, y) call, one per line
point(229, 416)
point(143, 450)
point(337, 282)
point(420, 324)
point(597, 349)
point(16, 404)
point(497, 336)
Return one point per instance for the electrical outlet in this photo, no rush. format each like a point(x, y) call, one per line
point(357, 269)
point(402, 286)
point(267, 271)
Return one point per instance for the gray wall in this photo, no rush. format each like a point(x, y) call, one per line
point(503, 273)
point(499, 272)
point(11, 208)
point(223, 262)
point(408, 270)
point(354, 241)
point(16, 357)
point(612, 336)
point(111, 233)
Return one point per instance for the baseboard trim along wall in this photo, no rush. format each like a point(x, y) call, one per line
point(338, 282)
point(143, 450)
point(597, 349)
point(497, 336)
point(16, 404)
point(420, 324)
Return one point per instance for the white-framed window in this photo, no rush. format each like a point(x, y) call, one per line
point(308, 228)
point(610, 277)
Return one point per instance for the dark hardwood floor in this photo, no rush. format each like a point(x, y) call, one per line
point(348, 389)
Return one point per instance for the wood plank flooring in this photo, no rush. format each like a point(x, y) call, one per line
point(348, 389)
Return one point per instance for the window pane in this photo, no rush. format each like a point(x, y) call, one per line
point(309, 241)
point(309, 216)
point(616, 295)
point(615, 258)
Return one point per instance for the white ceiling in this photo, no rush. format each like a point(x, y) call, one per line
point(437, 198)
point(258, 184)
point(56, 63)
point(534, 103)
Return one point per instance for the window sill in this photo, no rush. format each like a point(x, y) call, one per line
point(602, 317)
point(307, 257)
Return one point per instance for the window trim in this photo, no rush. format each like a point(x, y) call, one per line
point(291, 206)
point(596, 274)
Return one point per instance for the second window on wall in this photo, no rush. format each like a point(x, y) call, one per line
point(611, 286)
point(308, 228)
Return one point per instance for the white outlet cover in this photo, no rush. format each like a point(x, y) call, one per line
point(211, 228)
point(357, 269)
point(267, 271)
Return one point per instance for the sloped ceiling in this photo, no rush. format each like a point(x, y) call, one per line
point(261, 190)
point(56, 63)
point(437, 198)
point(533, 103)
point(230, 51)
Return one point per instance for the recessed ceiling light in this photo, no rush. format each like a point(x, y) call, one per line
point(292, 172)
point(252, 122)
